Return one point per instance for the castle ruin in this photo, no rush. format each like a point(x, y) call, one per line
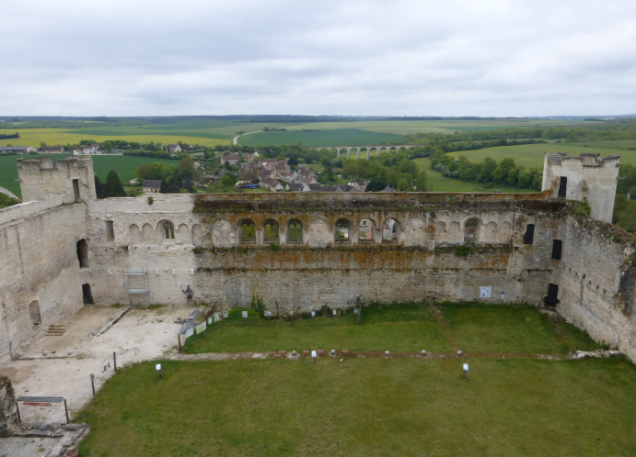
point(63, 249)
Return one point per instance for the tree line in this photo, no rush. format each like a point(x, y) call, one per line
point(488, 171)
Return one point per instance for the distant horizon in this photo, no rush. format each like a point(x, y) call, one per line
point(345, 117)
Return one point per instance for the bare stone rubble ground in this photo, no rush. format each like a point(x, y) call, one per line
point(140, 335)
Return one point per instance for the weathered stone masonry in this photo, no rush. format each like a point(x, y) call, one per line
point(327, 249)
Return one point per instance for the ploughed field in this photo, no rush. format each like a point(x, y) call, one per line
point(513, 402)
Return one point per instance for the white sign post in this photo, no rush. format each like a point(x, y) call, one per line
point(313, 357)
point(313, 315)
point(291, 317)
point(244, 317)
point(335, 313)
point(268, 314)
point(465, 371)
point(158, 368)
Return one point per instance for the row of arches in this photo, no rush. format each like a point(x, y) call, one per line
point(473, 230)
point(319, 232)
point(164, 232)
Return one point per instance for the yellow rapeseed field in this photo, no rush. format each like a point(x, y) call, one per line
point(33, 137)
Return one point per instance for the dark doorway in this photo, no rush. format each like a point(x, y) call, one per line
point(82, 253)
point(557, 246)
point(86, 292)
point(76, 193)
point(551, 300)
point(563, 187)
point(528, 238)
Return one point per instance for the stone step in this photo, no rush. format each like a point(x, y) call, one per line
point(56, 330)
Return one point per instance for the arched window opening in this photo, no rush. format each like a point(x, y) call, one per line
point(365, 231)
point(342, 231)
point(82, 253)
point(34, 312)
point(168, 230)
point(295, 232)
point(247, 232)
point(471, 231)
point(271, 231)
point(390, 231)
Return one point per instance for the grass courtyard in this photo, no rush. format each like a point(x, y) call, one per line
point(375, 406)
point(366, 407)
point(407, 327)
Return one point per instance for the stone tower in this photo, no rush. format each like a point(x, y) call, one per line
point(72, 179)
point(588, 177)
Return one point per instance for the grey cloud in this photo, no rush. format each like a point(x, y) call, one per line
point(491, 57)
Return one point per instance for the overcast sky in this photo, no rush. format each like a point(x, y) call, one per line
point(445, 58)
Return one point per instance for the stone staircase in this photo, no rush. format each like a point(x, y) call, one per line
point(56, 330)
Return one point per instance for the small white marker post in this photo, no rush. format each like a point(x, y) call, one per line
point(357, 313)
point(244, 317)
point(313, 357)
point(268, 315)
point(313, 315)
point(159, 372)
point(291, 316)
point(335, 313)
point(465, 371)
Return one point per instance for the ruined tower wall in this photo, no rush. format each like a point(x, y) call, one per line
point(43, 177)
point(40, 268)
point(596, 282)
point(589, 177)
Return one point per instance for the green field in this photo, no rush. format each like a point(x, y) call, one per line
point(531, 155)
point(512, 403)
point(441, 183)
point(605, 144)
point(336, 137)
point(125, 167)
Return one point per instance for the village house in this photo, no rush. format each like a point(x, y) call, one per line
point(359, 184)
point(232, 159)
point(52, 150)
point(18, 149)
point(173, 148)
point(297, 187)
point(272, 185)
point(151, 185)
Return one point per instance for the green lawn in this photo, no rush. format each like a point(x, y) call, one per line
point(366, 407)
point(336, 137)
point(531, 155)
point(511, 328)
point(405, 327)
point(408, 328)
point(125, 167)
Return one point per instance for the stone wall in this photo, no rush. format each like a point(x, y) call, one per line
point(40, 277)
point(179, 240)
point(589, 177)
point(42, 177)
point(596, 282)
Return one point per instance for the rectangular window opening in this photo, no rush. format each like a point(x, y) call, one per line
point(563, 187)
point(110, 231)
point(87, 294)
point(557, 246)
point(528, 238)
point(76, 190)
